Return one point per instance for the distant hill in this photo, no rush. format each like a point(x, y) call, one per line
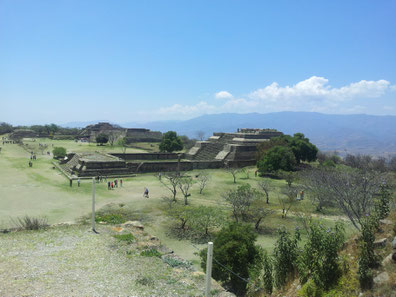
point(360, 133)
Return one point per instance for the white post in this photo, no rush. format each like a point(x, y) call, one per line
point(209, 260)
point(93, 205)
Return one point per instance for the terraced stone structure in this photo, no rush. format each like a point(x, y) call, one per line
point(220, 150)
point(131, 134)
point(238, 149)
point(94, 164)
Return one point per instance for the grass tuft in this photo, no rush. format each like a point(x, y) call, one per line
point(30, 223)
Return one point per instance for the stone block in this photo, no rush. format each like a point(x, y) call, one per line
point(381, 278)
point(380, 243)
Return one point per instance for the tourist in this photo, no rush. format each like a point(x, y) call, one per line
point(146, 193)
point(115, 183)
point(71, 182)
point(78, 182)
point(121, 182)
point(108, 185)
point(112, 185)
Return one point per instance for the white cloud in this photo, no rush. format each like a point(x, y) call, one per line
point(317, 88)
point(313, 94)
point(223, 95)
point(187, 110)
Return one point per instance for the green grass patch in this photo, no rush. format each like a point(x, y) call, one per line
point(110, 218)
point(128, 238)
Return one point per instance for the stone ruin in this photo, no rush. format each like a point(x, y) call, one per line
point(239, 148)
point(131, 134)
point(222, 149)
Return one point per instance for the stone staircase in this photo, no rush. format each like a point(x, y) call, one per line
point(73, 162)
point(209, 150)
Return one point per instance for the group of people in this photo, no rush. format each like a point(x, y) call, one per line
point(114, 184)
point(32, 157)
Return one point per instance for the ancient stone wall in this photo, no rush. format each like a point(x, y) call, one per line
point(148, 156)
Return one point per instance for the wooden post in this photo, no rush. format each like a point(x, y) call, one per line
point(209, 260)
point(93, 205)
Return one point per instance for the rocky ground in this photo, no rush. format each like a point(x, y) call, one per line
point(71, 260)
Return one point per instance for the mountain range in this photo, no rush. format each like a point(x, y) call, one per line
point(358, 133)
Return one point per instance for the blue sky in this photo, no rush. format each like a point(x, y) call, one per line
point(126, 61)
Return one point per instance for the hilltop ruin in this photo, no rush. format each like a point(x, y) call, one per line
point(220, 150)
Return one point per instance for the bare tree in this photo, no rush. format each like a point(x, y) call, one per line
point(232, 170)
point(123, 144)
point(203, 179)
point(201, 135)
point(288, 199)
point(182, 214)
point(353, 190)
point(185, 183)
point(258, 211)
point(171, 181)
point(207, 217)
point(241, 200)
point(42, 147)
point(113, 136)
point(245, 171)
point(314, 182)
point(265, 185)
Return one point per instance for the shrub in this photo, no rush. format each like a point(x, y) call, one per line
point(31, 223)
point(234, 248)
point(310, 289)
point(145, 281)
point(59, 152)
point(382, 205)
point(150, 253)
point(173, 262)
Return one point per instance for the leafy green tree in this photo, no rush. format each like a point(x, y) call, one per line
point(277, 158)
point(59, 152)
point(261, 275)
point(302, 149)
point(285, 257)
point(5, 128)
point(102, 139)
point(235, 248)
point(367, 257)
point(319, 259)
point(170, 142)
